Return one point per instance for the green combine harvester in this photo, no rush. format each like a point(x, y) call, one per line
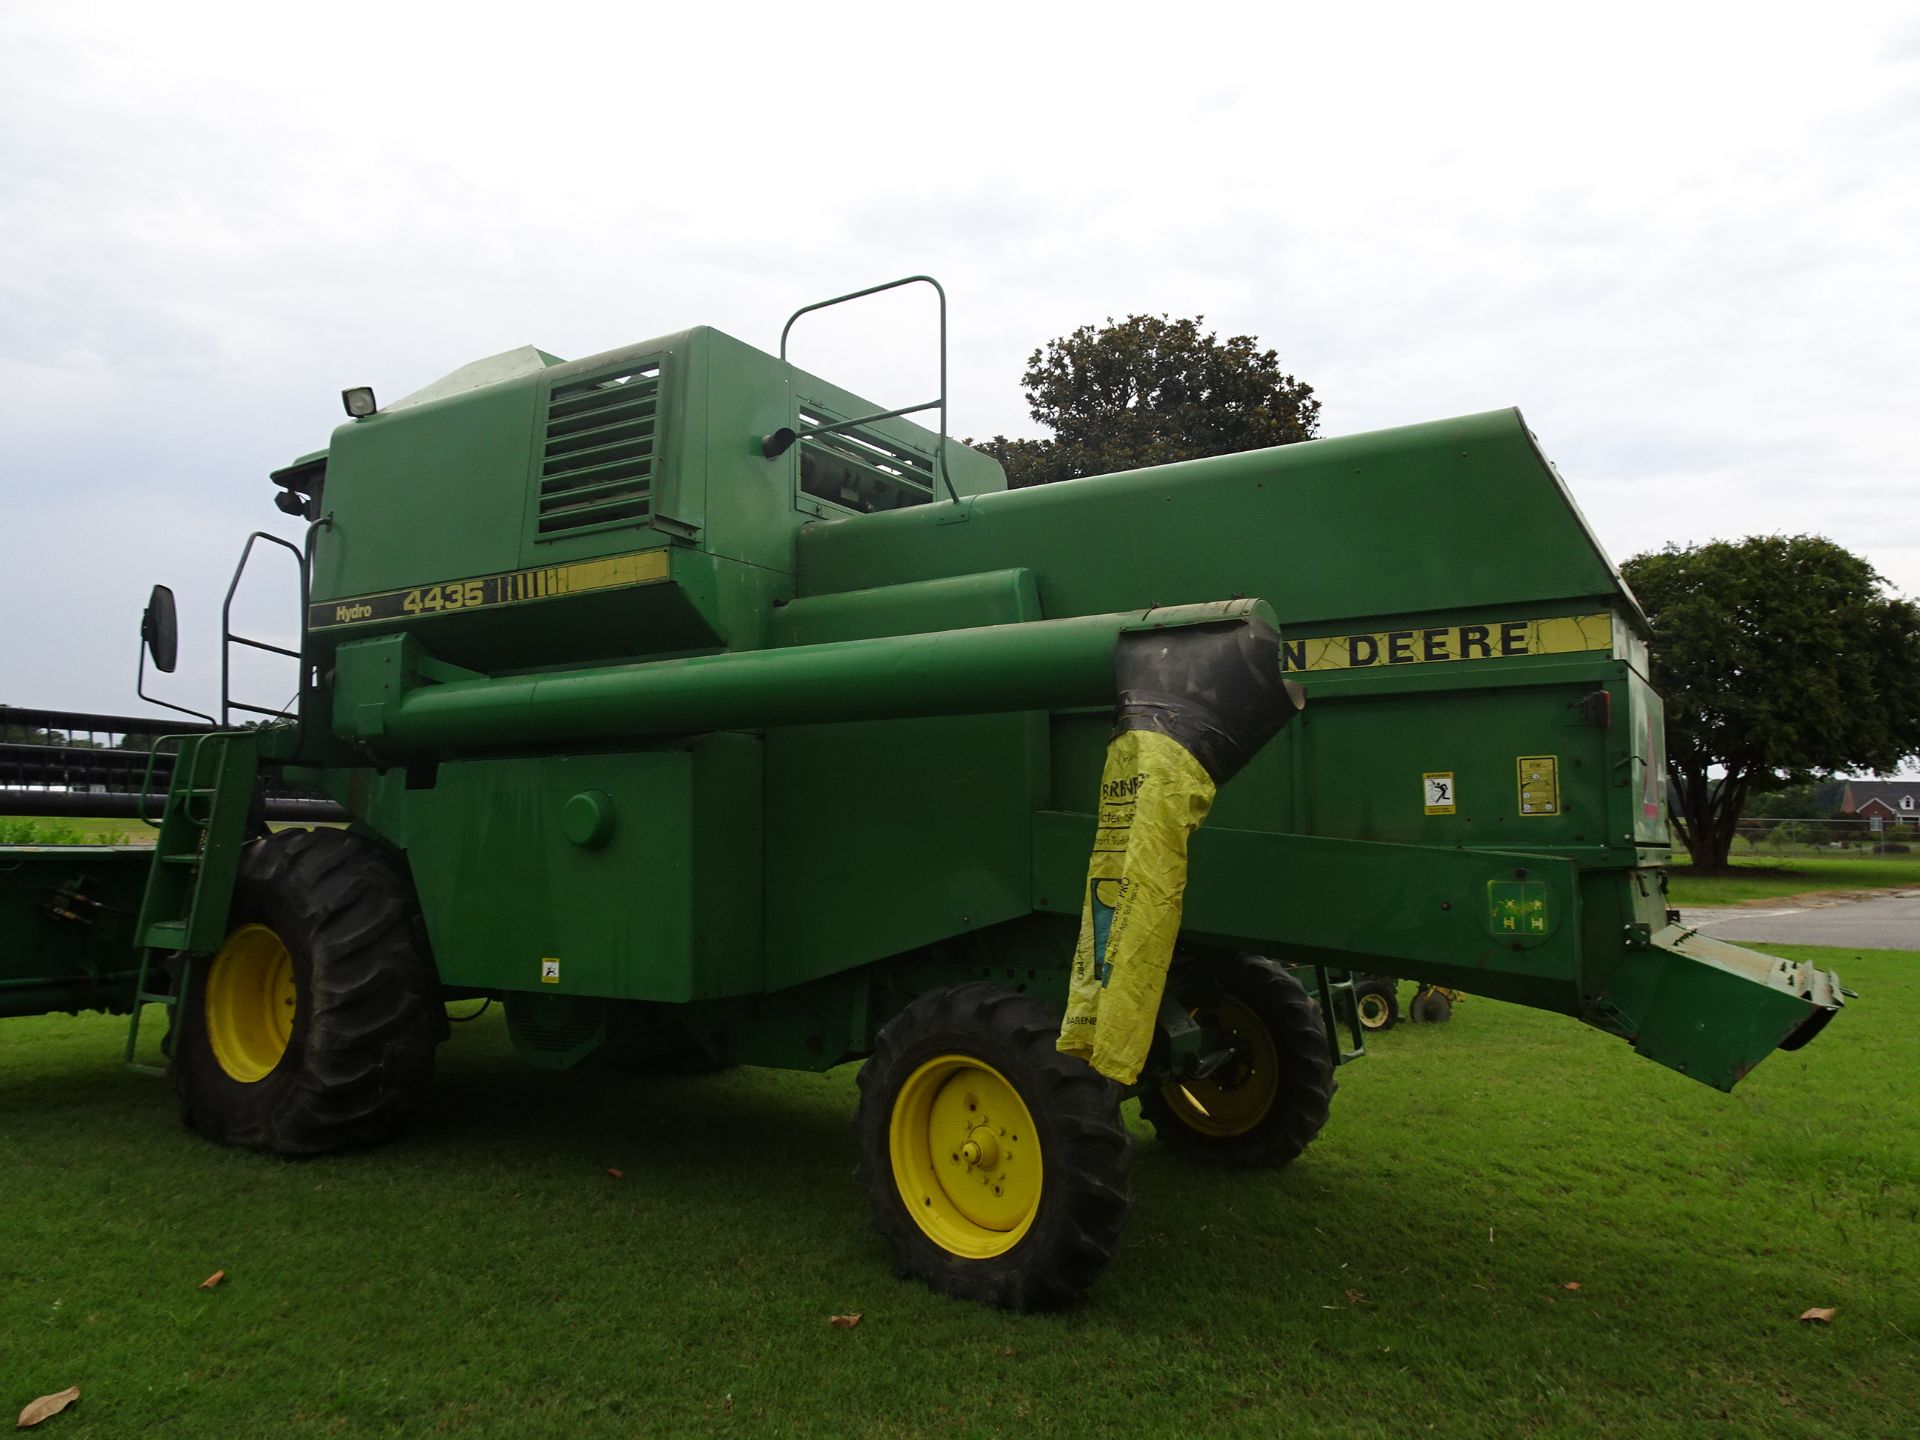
point(701, 712)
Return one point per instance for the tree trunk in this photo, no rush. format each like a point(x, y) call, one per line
point(1706, 813)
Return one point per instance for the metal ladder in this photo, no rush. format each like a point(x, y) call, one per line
point(196, 860)
point(1329, 1015)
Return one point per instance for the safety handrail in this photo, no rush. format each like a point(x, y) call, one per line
point(228, 639)
point(774, 444)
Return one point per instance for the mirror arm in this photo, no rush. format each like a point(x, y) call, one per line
point(140, 689)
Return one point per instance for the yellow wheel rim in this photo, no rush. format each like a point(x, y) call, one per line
point(1373, 1011)
point(965, 1156)
point(250, 1002)
point(1234, 1101)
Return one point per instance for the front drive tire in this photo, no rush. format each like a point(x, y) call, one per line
point(1268, 1106)
point(996, 1166)
point(314, 1026)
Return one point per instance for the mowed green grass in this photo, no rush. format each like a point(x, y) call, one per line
point(1771, 879)
point(74, 830)
point(486, 1276)
point(81, 830)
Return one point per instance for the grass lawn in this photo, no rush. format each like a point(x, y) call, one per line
point(1770, 879)
point(77, 830)
point(486, 1276)
point(47, 830)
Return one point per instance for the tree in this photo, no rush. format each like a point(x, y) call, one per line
point(1801, 800)
point(1779, 657)
point(1148, 390)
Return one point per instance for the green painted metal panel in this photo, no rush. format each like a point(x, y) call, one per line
point(930, 819)
point(667, 908)
point(427, 494)
point(1383, 526)
point(67, 926)
point(1709, 1009)
point(1418, 911)
point(997, 597)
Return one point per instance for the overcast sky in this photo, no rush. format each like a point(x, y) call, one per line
point(1682, 238)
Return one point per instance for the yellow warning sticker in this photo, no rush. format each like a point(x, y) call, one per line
point(1539, 784)
point(550, 970)
point(1440, 797)
point(1495, 640)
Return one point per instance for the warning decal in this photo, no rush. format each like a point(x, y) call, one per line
point(1438, 786)
point(1496, 640)
point(550, 971)
point(1539, 785)
point(1517, 909)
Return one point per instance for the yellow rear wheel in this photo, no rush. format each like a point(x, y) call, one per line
point(250, 1001)
point(1236, 1101)
point(1265, 1104)
point(965, 1156)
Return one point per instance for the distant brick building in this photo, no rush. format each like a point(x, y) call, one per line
point(1892, 802)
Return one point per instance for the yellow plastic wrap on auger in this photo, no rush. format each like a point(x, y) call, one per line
point(1153, 795)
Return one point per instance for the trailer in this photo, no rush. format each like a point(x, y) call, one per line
point(689, 705)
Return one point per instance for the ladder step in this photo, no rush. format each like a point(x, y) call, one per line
point(191, 857)
point(140, 1068)
point(165, 935)
point(168, 999)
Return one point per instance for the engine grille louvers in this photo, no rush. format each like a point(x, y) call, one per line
point(596, 466)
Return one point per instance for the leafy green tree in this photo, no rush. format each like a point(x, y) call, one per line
point(1779, 657)
point(1803, 800)
point(1149, 390)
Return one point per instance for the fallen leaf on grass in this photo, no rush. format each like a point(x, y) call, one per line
point(1354, 1297)
point(1821, 1314)
point(843, 1322)
point(1571, 1285)
point(213, 1279)
point(616, 1174)
point(45, 1406)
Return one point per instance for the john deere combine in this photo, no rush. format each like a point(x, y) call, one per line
point(692, 706)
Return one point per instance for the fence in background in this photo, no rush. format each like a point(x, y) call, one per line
point(1807, 837)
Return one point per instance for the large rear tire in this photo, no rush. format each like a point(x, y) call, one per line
point(1270, 1103)
point(996, 1166)
point(314, 1025)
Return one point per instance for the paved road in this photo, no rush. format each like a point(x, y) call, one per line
point(1886, 922)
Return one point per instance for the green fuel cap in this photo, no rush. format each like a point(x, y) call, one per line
point(588, 819)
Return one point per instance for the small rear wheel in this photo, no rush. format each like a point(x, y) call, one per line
point(996, 1166)
point(1377, 999)
point(314, 1024)
point(1269, 1104)
point(1433, 1007)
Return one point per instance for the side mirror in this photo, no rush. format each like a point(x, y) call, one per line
point(160, 629)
